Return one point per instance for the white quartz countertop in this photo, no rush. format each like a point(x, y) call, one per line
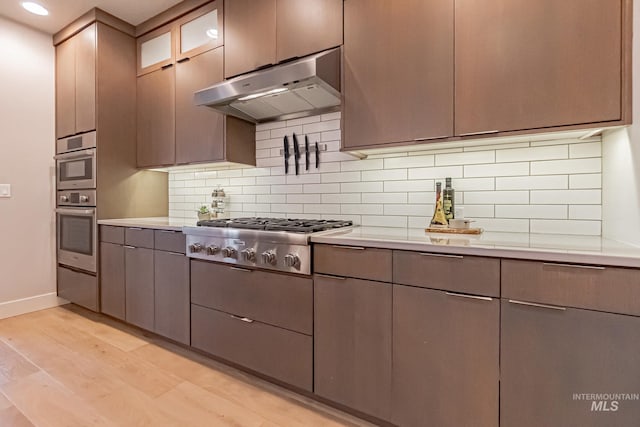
point(542, 247)
point(159, 223)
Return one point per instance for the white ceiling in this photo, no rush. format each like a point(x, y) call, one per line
point(62, 12)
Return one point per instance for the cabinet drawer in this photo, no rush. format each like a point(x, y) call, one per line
point(112, 234)
point(467, 274)
point(275, 352)
point(77, 287)
point(352, 261)
point(276, 299)
point(139, 237)
point(609, 289)
point(170, 241)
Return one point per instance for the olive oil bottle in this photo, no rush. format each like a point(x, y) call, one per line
point(448, 199)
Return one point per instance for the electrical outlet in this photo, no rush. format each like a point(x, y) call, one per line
point(5, 190)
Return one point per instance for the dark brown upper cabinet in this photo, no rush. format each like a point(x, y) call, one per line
point(537, 64)
point(398, 71)
point(171, 128)
point(305, 27)
point(259, 33)
point(76, 83)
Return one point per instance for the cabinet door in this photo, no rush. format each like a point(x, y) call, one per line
point(352, 343)
point(199, 130)
point(172, 309)
point(532, 64)
point(156, 49)
point(86, 79)
point(112, 279)
point(250, 35)
point(550, 356)
point(200, 30)
point(306, 27)
point(139, 287)
point(66, 88)
point(445, 358)
point(398, 71)
point(156, 118)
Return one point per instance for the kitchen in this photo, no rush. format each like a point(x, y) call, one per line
point(320, 327)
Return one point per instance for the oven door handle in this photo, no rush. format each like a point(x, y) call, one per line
point(74, 155)
point(82, 212)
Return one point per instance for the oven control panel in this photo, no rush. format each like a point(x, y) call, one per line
point(84, 198)
point(252, 253)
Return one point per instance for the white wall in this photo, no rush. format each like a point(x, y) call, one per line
point(521, 185)
point(27, 249)
point(621, 165)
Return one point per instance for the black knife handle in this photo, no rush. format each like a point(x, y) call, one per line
point(286, 155)
point(306, 152)
point(317, 155)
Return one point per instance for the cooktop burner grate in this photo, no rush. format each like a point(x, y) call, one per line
point(277, 224)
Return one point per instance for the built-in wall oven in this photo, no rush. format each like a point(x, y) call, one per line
point(77, 229)
point(76, 162)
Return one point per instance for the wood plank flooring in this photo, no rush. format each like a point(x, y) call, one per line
point(69, 367)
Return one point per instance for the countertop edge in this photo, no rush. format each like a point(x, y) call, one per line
point(140, 223)
point(533, 254)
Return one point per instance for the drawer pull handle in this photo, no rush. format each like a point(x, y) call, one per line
point(441, 255)
point(244, 270)
point(588, 267)
point(129, 247)
point(429, 138)
point(484, 132)
point(244, 319)
point(168, 231)
point(353, 248)
point(533, 304)
point(325, 276)
point(135, 228)
point(175, 253)
point(454, 294)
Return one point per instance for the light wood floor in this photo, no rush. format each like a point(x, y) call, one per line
point(69, 367)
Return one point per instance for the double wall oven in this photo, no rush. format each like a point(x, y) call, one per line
point(76, 220)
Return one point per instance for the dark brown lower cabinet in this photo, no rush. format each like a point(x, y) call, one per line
point(551, 357)
point(139, 287)
point(352, 343)
point(445, 358)
point(281, 354)
point(171, 296)
point(112, 280)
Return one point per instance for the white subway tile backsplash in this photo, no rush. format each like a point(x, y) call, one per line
point(588, 228)
point(532, 153)
point(465, 158)
point(531, 211)
point(566, 197)
point(494, 169)
point(592, 212)
point(409, 162)
point(524, 185)
point(544, 182)
point(592, 180)
point(588, 149)
point(496, 197)
point(593, 165)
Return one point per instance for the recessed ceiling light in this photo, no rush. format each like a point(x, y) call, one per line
point(35, 8)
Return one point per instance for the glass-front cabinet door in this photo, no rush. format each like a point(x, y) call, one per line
point(156, 50)
point(200, 30)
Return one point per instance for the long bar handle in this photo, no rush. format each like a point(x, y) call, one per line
point(484, 132)
point(476, 297)
point(429, 138)
point(533, 304)
point(441, 255)
point(588, 267)
point(326, 276)
point(244, 270)
point(353, 248)
point(244, 319)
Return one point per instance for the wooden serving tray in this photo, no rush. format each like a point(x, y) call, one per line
point(454, 230)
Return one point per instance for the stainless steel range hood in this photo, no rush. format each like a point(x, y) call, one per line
point(303, 87)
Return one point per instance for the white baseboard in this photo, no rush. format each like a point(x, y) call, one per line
point(28, 305)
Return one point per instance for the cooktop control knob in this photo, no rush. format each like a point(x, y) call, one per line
point(213, 249)
point(195, 248)
point(269, 257)
point(291, 260)
point(229, 252)
point(249, 254)
point(64, 199)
